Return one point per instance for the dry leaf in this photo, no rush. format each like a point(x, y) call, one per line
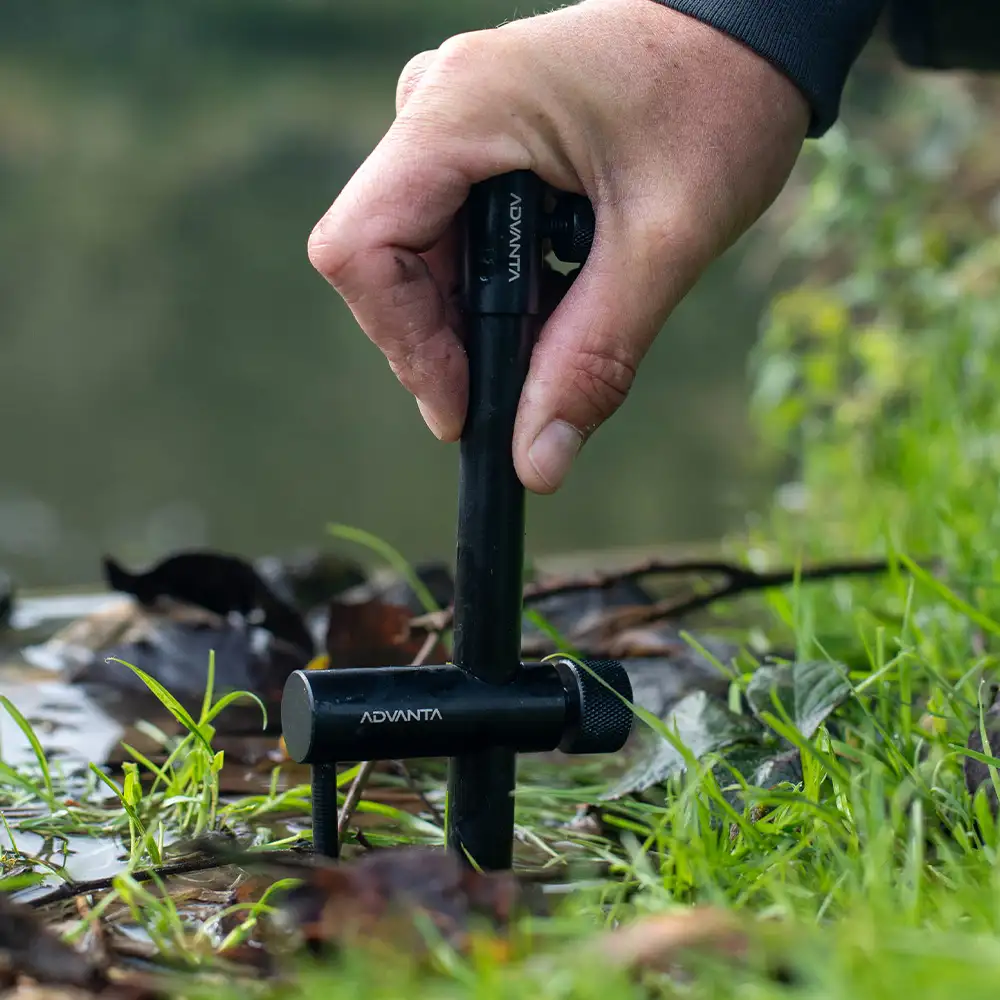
point(658, 941)
point(374, 634)
point(374, 899)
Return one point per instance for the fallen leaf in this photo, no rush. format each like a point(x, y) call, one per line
point(659, 941)
point(435, 576)
point(220, 583)
point(587, 821)
point(702, 724)
point(29, 948)
point(762, 768)
point(379, 898)
point(809, 691)
point(389, 587)
point(174, 648)
point(781, 767)
point(373, 633)
point(575, 612)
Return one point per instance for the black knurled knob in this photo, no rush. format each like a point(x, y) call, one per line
point(571, 229)
point(604, 720)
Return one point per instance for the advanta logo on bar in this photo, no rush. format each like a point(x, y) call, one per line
point(514, 256)
point(402, 715)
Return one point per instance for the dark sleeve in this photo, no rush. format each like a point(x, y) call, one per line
point(814, 42)
point(947, 34)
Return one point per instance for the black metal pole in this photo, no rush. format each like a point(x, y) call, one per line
point(502, 273)
point(326, 836)
point(486, 706)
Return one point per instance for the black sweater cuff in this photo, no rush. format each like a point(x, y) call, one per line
point(813, 42)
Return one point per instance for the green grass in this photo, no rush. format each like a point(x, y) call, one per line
point(879, 868)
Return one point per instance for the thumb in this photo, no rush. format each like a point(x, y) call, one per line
point(588, 352)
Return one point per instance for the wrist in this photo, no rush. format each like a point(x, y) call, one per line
point(814, 45)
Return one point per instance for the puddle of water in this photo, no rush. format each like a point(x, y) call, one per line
point(52, 611)
point(82, 858)
point(73, 731)
point(70, 726)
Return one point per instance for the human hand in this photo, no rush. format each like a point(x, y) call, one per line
point(680, 137)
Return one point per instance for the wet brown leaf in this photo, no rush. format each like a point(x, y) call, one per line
point(29, 948)
point(373, 633)
point(220, 583)
point(374, 901)
point(177, 655)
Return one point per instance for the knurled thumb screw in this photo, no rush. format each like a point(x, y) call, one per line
point(570, 228)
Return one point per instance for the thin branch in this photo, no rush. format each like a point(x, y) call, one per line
point(419, 792)
point(73, 889)
point(98, 943)
point(353, 796)
point(739, 579)
point(605, 580)
point(744, 582)
point(361, 779)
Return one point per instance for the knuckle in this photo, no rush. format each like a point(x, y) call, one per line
point(603, 379)
point(328, 255)
point(465, 51)
point(411, 74)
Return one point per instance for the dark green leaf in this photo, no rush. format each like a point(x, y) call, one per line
point(703, 724)
point(809, 691)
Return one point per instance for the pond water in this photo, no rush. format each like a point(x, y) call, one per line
point(172, 371)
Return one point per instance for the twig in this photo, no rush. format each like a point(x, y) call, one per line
point(739, 580)
point(354, 793)
point(419, 792)
point(598, 580)
point(72, 889)
point(353, 796)
point(98, 939)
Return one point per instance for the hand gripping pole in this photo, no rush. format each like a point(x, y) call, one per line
point(487, 706)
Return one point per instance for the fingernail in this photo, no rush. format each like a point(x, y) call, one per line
point(432, 422)
point(553, 451)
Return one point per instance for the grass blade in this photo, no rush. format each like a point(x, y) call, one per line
point(228, 699)
point(148, 841)
point(36, 746)
point(169, 702)
point(206, 703)
point(950, 597)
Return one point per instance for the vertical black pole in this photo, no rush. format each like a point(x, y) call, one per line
point(502, 274)
point(326, 837)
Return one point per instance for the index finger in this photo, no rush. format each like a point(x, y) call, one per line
point(370, 245)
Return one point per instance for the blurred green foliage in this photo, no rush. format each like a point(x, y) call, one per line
point(877, 373)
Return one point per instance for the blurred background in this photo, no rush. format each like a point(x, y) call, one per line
point(173, 372)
